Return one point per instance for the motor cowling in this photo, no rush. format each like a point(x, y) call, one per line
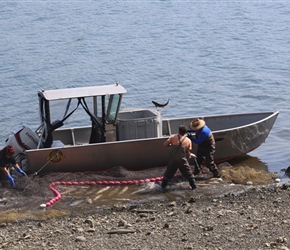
point(22, 139)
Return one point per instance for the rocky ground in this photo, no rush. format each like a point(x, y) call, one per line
point(236, 213)
point(257, 218)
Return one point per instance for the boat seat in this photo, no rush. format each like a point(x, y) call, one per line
point(63, 135)
point(57, 144)
point(81, 136)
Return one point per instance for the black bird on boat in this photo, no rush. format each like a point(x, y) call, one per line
point(160, 105)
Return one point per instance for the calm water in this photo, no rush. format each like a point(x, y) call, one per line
point(209, 57)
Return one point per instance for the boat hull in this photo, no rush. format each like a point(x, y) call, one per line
point(235, 135)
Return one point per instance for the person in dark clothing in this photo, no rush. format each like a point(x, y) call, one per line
point(206, 145)
point(6, 160)
point(180, 152)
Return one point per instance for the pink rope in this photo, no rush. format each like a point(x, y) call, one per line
point(107, 183)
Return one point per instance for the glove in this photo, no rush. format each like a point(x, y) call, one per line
point(19, 170)
point(11, 180)
point(190, 136)
point(192, 155)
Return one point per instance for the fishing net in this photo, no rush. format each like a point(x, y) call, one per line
point(35, 188)
point(245, 174)
point(38, 185)
point(22, 202)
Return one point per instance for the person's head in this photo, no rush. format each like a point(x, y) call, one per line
point(9, 151)
point(182, 129)
point(197, 124)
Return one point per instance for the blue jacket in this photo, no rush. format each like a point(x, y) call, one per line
point(201, 135)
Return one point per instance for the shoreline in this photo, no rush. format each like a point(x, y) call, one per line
point(257, 218)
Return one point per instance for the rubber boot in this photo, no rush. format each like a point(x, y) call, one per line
point(164, 183)
point(197, 166)
point(197, 169)
point(213, 168)
point(192, 183)
point(216, 173)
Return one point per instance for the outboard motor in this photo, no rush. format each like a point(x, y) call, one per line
point(22, 139)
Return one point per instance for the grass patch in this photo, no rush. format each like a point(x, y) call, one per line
point(14, 216)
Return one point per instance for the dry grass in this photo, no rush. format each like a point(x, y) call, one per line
point(12, 216)
point(245, 174)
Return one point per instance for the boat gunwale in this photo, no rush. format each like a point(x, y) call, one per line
point(271, 114)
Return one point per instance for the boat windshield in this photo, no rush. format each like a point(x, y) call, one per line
point(113, 107)
point(59, 109)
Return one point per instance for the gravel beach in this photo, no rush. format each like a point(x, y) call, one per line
point(257, 218)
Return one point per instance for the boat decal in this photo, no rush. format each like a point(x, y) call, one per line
point(55, 156)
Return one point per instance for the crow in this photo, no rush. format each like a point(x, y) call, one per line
point(159, 105)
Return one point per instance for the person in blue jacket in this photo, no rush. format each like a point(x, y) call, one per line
point(7, 160)
point(206, 145)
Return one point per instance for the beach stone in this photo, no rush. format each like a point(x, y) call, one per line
point(172, 204)
point(80, 229)
point(192, 200)
point(188, 210)
point(89, 221)
point(3, 200)
point(122, 223)
point(254, 218)
point(80, 238)
point(89, 201)
point(166, 226)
